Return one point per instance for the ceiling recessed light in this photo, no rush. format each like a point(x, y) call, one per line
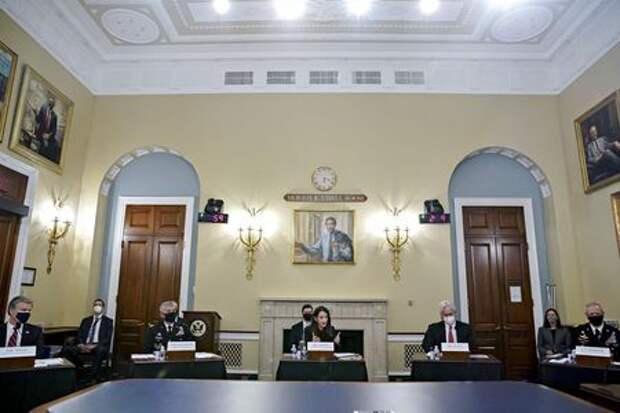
point(359, 7)
point(429, 6)
point(289, 9)
point(221, 6)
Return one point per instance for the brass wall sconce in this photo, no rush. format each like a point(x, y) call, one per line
point(56, 232)
point(250, 238)
point(396, 238)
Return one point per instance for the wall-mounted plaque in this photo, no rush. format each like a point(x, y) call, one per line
point(325, 197)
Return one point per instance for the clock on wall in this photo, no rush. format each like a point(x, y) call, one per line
point(324, 178)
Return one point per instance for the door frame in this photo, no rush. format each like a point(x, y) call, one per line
point(118, 227)
point(24, 223)
point(532, 251)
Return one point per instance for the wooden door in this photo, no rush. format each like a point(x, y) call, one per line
point(498, 287)
point(152, 250)
point(9, 230)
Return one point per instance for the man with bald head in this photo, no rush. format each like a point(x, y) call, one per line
point(448, 330)
point(597, 333)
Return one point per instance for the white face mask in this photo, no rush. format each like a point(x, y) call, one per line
point(98, 309)
point(449, 320)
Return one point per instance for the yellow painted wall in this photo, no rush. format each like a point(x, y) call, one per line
point(60, 292)
point(599, 257)
point(400, 149)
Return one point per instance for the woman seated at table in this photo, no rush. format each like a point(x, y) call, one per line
point(553, 339)
point(321, 329)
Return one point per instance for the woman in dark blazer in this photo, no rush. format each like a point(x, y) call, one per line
point(321, 328)
point(552, 337)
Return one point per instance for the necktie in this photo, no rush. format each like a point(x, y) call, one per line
point(13, 338)
point(597, 334)
point(91, 332)
point(450, 335)
point(330, 256)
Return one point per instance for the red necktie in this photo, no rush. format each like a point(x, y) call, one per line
point(450, 336)
point(13, 338)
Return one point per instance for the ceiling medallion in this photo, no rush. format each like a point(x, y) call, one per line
point(130, 26)
point(522, 24)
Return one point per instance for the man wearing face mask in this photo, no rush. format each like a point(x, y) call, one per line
point(297, 330)
point(94, 338)
point(17, 332)
point(596, 333)
point(446, 331)
point(170, 328)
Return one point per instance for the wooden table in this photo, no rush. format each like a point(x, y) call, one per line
point(292, 369)
point(26, 388)
point(605, 395)
point(211, 368)
point(568, 377)
point(423, 369)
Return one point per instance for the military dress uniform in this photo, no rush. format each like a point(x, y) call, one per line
point(604, 336)
point(160, 334)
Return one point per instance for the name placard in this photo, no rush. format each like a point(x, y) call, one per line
point(181, 346)
point(455, 347)
point(592, 351)
point(14, 352)
point(320, 346)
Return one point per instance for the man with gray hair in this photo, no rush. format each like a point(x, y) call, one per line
point(448, 330)
point(597, 333)
point(170, 328)
point(17, 332)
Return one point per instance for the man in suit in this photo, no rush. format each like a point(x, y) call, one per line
point(448, 330)
point(297, 330)
point(46, 129)
point(17, 332)
point(597, 333)
point(170, 328)
point(94, 338)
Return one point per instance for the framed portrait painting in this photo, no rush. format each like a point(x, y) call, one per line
point(42, 122)
point(8, 63)
point(29, 276)
point(598, 143)
point(324, 237)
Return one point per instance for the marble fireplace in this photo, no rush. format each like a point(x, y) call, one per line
point(367, 315)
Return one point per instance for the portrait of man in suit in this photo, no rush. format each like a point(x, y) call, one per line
point(324, 237)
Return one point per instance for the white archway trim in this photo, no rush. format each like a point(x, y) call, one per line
point(117, 231)
point(24, 226)
point(532, 253)
point(525, 161)
point(129, 157)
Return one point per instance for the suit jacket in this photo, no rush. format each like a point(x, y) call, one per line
point(31, 336)
point(436, 334)
point(157, 335)
point(106, 328)
point(297, 335)
point(584, 336)
point(562, 343)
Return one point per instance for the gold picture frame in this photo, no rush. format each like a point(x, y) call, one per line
point(8, 66)
point(41, 128)
point(309, 237)
point(615, 206)
point(604, 117)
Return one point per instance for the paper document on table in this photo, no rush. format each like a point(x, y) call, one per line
point(479, 357)
point(58, 361)
point(147, 356)
point(205, 355)
point(564, 360)
point(347, 356)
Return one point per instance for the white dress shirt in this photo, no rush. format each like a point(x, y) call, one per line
point(453, 327)
point(9, 332)
point(599, 329)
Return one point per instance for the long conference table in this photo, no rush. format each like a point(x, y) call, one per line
point(194, 396)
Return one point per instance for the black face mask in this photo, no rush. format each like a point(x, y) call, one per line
point(23, 317)
point(596, 320)
point(170, 317)
point(307, 317)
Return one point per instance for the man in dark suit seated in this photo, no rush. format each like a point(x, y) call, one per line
point(17, 332)
point(94, 339)
point(597, 333)
point(297, 330)
point(170, 328)
point(446, 331)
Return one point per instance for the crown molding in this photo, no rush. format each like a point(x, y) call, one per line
point(199, 69)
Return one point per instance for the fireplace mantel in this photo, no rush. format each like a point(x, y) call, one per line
point(367, 314)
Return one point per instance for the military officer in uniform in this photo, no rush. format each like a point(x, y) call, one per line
point(170, 328)
point(597, 333)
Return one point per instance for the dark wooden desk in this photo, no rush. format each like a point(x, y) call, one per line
point(605, 395)
point(291, 369)
point(212, 368)
point(423, 369)
point(568, 377)
point(24, 389)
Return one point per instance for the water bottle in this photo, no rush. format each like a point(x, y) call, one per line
point(163, 352)
point(304, 349)
point(293, 350)
point(436, 353)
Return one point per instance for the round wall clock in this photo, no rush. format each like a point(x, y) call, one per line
point(324, 178)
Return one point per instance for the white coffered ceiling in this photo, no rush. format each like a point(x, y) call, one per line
point(184, 46)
